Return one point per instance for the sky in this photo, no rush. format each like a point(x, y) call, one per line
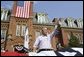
point(54, 9)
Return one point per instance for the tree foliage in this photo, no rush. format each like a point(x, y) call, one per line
point(74, 41)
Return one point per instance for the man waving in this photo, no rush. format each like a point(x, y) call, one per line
point(43, 42)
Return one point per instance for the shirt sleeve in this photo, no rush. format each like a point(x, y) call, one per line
point(55, 32)
point(36, 42)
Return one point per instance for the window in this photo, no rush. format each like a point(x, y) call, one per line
point(23, 30)
point(70, 23)
point(82, 24)
point(42, 19)
point(39, 19)
point(26, 35)
point(4, 15)
point(18, 30)
point(1, 13)
point(80, 38)
point(60, 23)
point(3, 34)
point(79, 22)
point(47, 20)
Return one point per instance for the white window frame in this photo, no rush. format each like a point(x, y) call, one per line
point(3, 32)
point(18, 28)
point(23, 30)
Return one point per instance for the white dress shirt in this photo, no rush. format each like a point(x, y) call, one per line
point(44, 42)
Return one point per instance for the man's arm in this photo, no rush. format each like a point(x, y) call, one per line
point(35, 46)
point(55, 31)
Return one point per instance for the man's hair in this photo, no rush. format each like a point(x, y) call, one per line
point(43, 28)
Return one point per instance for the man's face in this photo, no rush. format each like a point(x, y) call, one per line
point(44, 31)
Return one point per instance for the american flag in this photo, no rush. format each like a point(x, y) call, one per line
point(22, 9)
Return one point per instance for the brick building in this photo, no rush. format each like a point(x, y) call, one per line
point(12, 28)
point(67, 26)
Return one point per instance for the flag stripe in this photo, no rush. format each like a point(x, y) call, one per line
point(29, 9)
point(23, 11)
point(25, 8)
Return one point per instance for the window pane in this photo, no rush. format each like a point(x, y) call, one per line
point(18, 30)
point(3, 34)
point(23, 30)
point(26, 33)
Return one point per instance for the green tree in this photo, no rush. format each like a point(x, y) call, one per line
point(74, 41)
